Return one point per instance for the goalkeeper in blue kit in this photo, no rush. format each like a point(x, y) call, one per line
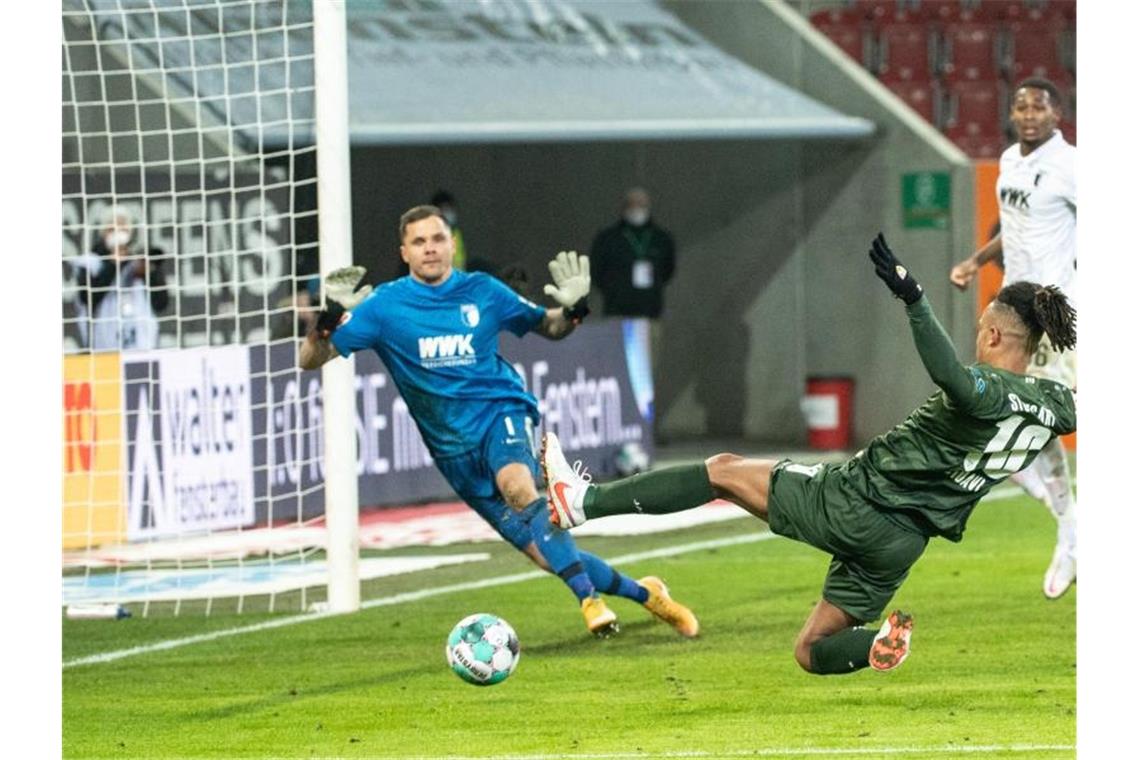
point(436, 330)
point(876, 512)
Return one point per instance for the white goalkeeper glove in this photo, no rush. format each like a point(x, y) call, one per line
point(340, 295)
point(340, 286)
point(571, 275)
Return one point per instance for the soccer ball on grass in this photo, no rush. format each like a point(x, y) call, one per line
point(483, 649)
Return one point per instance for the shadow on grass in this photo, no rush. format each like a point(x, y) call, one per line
point(292, 696)
point(570, 646)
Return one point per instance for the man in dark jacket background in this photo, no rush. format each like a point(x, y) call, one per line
point(632, 261)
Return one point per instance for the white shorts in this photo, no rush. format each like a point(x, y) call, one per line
point(1058, 366)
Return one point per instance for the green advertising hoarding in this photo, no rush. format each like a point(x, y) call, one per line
point(926, 200)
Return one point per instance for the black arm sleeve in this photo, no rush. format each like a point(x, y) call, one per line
point(668, 257)
point(93, 288)
point(159, 296)
point(937, 354)
point(598, 258)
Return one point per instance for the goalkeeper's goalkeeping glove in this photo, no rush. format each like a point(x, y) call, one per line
point(571, 288)
point(341, 295)
point(891, 271)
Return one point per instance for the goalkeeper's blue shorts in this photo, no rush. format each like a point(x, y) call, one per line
point(510, 439)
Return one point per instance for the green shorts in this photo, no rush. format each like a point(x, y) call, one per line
point(871, 555)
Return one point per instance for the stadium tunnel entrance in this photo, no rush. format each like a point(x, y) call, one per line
point(771, 161)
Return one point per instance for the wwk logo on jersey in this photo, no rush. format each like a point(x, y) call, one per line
point(447, 350)
point(1017, 198)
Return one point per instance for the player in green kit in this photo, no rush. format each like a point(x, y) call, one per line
point(875, 512)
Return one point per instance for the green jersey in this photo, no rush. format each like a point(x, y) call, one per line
point(983, 425)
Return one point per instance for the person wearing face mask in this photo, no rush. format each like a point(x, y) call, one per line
point(121, 288)
point(633, 260)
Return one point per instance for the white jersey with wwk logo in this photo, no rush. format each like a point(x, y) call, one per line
point(1037, 195)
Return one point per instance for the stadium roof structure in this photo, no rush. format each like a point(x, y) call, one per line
point(425, 72)
point(560, 71)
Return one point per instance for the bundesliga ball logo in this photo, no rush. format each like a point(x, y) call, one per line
point(483, 649)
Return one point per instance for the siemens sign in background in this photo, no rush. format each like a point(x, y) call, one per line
point(224, 242)
point(231, 436)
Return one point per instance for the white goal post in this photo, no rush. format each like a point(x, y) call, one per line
point(334, 190)
point(205, 190)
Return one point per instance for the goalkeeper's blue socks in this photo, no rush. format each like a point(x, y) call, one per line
point(558, 549)
point(610, 581)
point(584, 573)
point(578, 581)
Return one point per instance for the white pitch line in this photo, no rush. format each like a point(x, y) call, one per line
point(1003, 492)
point(768, 752)
point(410, 596)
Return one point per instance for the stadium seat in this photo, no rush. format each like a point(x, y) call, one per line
point(1011, 11)
point(1069, 130)
point(879, 10)
point(971, 50)
point(1002, 10)
point(851, 39)
point(1068, 37)
point(953, 11)
point(1068, 107)
point(940, 10)
point(923, 97)
point(904, 52)
point(974, 109)
point(1035, 49)
point(986, 147)
point(1068, 90)
point(1055, 11)
point(1067, 9)
point(844, 16)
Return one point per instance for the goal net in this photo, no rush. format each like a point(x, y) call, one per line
point(192, 443)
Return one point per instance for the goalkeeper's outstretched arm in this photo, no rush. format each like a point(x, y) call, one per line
point(316, 350)
point(571, 288)
point(342, 292)
point(555, 325)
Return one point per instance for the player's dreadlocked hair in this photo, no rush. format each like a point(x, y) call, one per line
point(1044, 310)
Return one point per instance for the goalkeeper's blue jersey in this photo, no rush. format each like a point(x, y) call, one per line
point(441, 346)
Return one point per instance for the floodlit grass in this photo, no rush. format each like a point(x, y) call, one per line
point(993, 664)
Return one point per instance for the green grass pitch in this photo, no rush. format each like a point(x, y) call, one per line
point(992, 671)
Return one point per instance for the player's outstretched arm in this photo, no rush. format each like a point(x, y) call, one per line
point(317, 348)
point(315, 351)
point(964, 271)
point(341, 295)
point(555, 325)
point(571, 288)
point(934, 346)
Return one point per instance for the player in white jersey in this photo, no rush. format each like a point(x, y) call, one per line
point(1037, 195)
